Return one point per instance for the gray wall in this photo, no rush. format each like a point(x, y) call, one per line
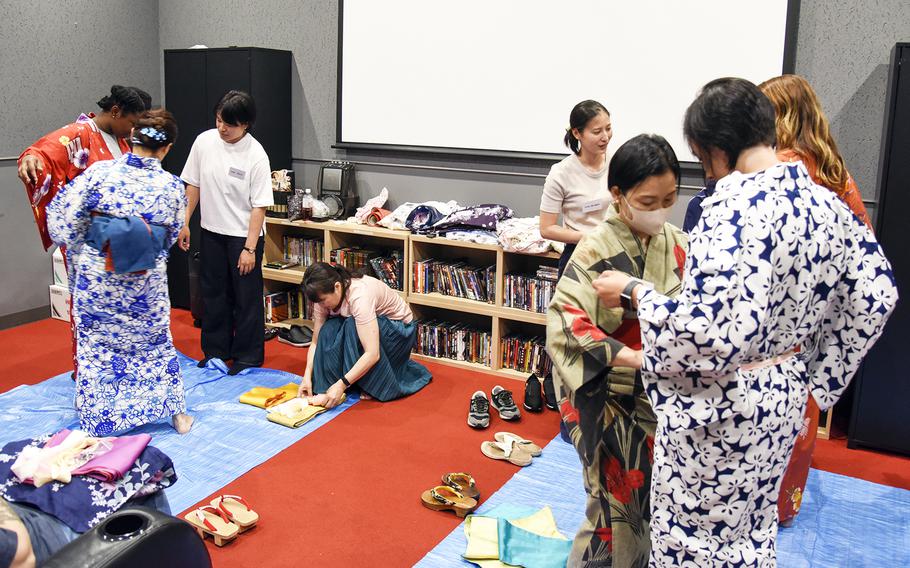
point(843, 50)
point(58, 59)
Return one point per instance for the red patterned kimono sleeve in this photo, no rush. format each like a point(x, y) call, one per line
point(64, 154)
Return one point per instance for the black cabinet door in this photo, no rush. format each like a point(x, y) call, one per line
point(226, 70)
point(879, 417)
point(270, 85)
point(194, 82)
point(184, 92)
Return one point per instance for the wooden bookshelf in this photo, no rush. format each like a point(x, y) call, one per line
point(493, 316)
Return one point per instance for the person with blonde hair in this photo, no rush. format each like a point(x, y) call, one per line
point(803, 135)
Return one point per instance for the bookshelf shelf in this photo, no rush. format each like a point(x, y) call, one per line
point(289, 322)
point(499, 320)
point(289, 275)
point(440, 241)
point(438, 300)
point(522, 315)
point(454, 363)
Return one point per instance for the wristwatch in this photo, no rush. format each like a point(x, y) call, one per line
point(252, 251)
point(625, 297)
point(347, 383)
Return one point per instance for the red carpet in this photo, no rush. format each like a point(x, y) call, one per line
point(349, 492)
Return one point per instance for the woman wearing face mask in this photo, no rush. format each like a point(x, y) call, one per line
point(576, 187)
point(596, 352)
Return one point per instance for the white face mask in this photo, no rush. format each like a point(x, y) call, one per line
point(647, 222)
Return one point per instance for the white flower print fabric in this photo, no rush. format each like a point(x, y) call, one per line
point(776, 263)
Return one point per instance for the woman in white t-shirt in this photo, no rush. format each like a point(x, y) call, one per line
point(576, 187)
point(228, 174)
point(363, 332)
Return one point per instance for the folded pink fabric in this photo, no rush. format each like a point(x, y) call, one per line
point(114, 463)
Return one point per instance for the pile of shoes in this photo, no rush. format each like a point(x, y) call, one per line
point(479, 411)
point(533, 399)
point(458, 494)
point(296, 336)
point(511, 448)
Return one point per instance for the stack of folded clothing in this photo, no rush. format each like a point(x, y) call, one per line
point(68, 453)
point(126, 468)
point(266, 397)
point(509, 535)
point(284, 406)
point(297, 412)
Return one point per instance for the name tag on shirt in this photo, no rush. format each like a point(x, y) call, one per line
point(237, 173)
point(592, 206)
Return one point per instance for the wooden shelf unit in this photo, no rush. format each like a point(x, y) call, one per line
point(493, 316)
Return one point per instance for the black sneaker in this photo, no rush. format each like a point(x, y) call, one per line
point(549, 392)
point(505, 404)
point(238, 368)
point(479, 414)
point(271, 333)
point(533, 401)
point(297, 336)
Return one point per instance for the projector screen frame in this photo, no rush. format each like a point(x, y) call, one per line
point(791, 34)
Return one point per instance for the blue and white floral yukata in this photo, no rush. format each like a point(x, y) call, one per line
point(129, 374)
point(775, 264)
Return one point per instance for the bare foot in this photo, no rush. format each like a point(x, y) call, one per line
point(182, 423)
point(365, 396)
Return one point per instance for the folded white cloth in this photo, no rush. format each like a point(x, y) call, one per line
point(291, 407)
point(522, 234)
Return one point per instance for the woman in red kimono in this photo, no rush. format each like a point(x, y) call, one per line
point(58, 157)
point(803, 135)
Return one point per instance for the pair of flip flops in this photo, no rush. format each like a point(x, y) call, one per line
point(458, 494)
point(511, 448)
point(224, 518)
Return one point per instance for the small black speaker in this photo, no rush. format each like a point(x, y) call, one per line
point(137, 537)
point(337, 190)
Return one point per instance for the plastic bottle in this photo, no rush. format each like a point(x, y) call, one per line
point(306, 205)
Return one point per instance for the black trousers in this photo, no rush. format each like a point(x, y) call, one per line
point(232, 327)
point(564, 258)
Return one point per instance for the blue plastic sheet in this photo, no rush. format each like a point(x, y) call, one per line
point(227, 440)
point(843, 522)
point(552, 479)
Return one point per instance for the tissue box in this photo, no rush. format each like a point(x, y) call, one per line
point(60, 302)
point(59, 269)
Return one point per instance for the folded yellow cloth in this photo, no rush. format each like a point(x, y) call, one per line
point(483, 535)
point(296, 412)
point(265, 397)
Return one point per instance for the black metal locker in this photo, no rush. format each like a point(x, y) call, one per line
point(194, 81)
point(879, 418)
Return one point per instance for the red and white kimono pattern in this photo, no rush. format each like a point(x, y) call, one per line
point(65, 153)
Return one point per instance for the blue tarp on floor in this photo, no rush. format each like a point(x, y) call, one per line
point(844, 522)
point(227, 440)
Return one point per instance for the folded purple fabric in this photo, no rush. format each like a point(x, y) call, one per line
point(113, 464)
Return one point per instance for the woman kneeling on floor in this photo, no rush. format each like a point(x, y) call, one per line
point(363, 332)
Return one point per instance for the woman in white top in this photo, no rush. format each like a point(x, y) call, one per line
point(576, 187)
point(363, 332)
point(228, 173)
